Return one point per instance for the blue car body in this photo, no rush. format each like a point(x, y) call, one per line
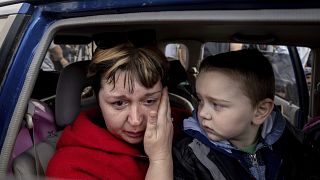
point(33, 19)
point(37, 16)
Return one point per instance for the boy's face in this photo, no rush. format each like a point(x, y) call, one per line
point(224, 112)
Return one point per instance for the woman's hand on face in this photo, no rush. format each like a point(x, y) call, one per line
point(158, 141)
point(159, 131)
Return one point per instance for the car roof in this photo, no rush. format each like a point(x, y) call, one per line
point(186, 4)
point(291, 27)
point(260, 21)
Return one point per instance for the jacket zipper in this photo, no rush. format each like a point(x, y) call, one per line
point(254, 159)
point(255, 164)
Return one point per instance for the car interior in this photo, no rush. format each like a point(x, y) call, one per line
point(53, 99)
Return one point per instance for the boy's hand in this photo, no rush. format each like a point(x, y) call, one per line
point(159, 132)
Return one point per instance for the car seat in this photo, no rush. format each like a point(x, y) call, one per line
point(38, 125)
point(71, 82)
point(178, 82)
point(70, 86)
point(311, 130)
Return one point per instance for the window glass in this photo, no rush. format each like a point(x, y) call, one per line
point(60, 55)
point(306, 60)
point(2, 23)
point(3, 33)
point(8, 36)
point(213, 48)
point(286, 86)
point(177, 51)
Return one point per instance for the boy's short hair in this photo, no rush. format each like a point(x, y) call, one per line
point(248, 66)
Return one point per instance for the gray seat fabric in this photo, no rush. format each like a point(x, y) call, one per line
point(180, 102)
point(71, 83)
point(24, 166)
point(178, 82)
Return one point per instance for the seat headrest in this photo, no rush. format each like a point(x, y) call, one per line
point(72, 81)
point(177, 74)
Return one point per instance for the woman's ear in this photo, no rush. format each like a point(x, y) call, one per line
point(263, 109)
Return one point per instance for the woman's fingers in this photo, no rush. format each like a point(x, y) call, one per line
point(169, 117)
point(159, 131)
point(164, 108)
point(156, 120)
point(151, 129)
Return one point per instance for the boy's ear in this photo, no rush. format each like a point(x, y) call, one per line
point(263, 110)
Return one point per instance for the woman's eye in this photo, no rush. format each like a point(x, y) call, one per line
point(119, 104)
point(150, 102)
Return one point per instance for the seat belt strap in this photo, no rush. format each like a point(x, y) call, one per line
point(30, 126)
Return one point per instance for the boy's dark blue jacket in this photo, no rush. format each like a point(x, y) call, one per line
point(280, 154)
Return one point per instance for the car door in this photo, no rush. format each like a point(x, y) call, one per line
point(13, 20)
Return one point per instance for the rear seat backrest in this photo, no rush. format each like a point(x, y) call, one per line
point(43, 126)
point(72, 81)
point(24, 166)
point(178, 81)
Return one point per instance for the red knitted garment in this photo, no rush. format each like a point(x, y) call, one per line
point(86, 151)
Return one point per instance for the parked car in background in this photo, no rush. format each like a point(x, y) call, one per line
point(287, 33)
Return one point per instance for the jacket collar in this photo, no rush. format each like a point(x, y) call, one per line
point(271, 131)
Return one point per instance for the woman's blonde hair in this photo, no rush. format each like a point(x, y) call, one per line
point(148, 65)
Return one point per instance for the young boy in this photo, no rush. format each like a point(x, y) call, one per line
point(236, 132)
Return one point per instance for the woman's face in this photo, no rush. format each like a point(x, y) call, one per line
point(125, 113)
